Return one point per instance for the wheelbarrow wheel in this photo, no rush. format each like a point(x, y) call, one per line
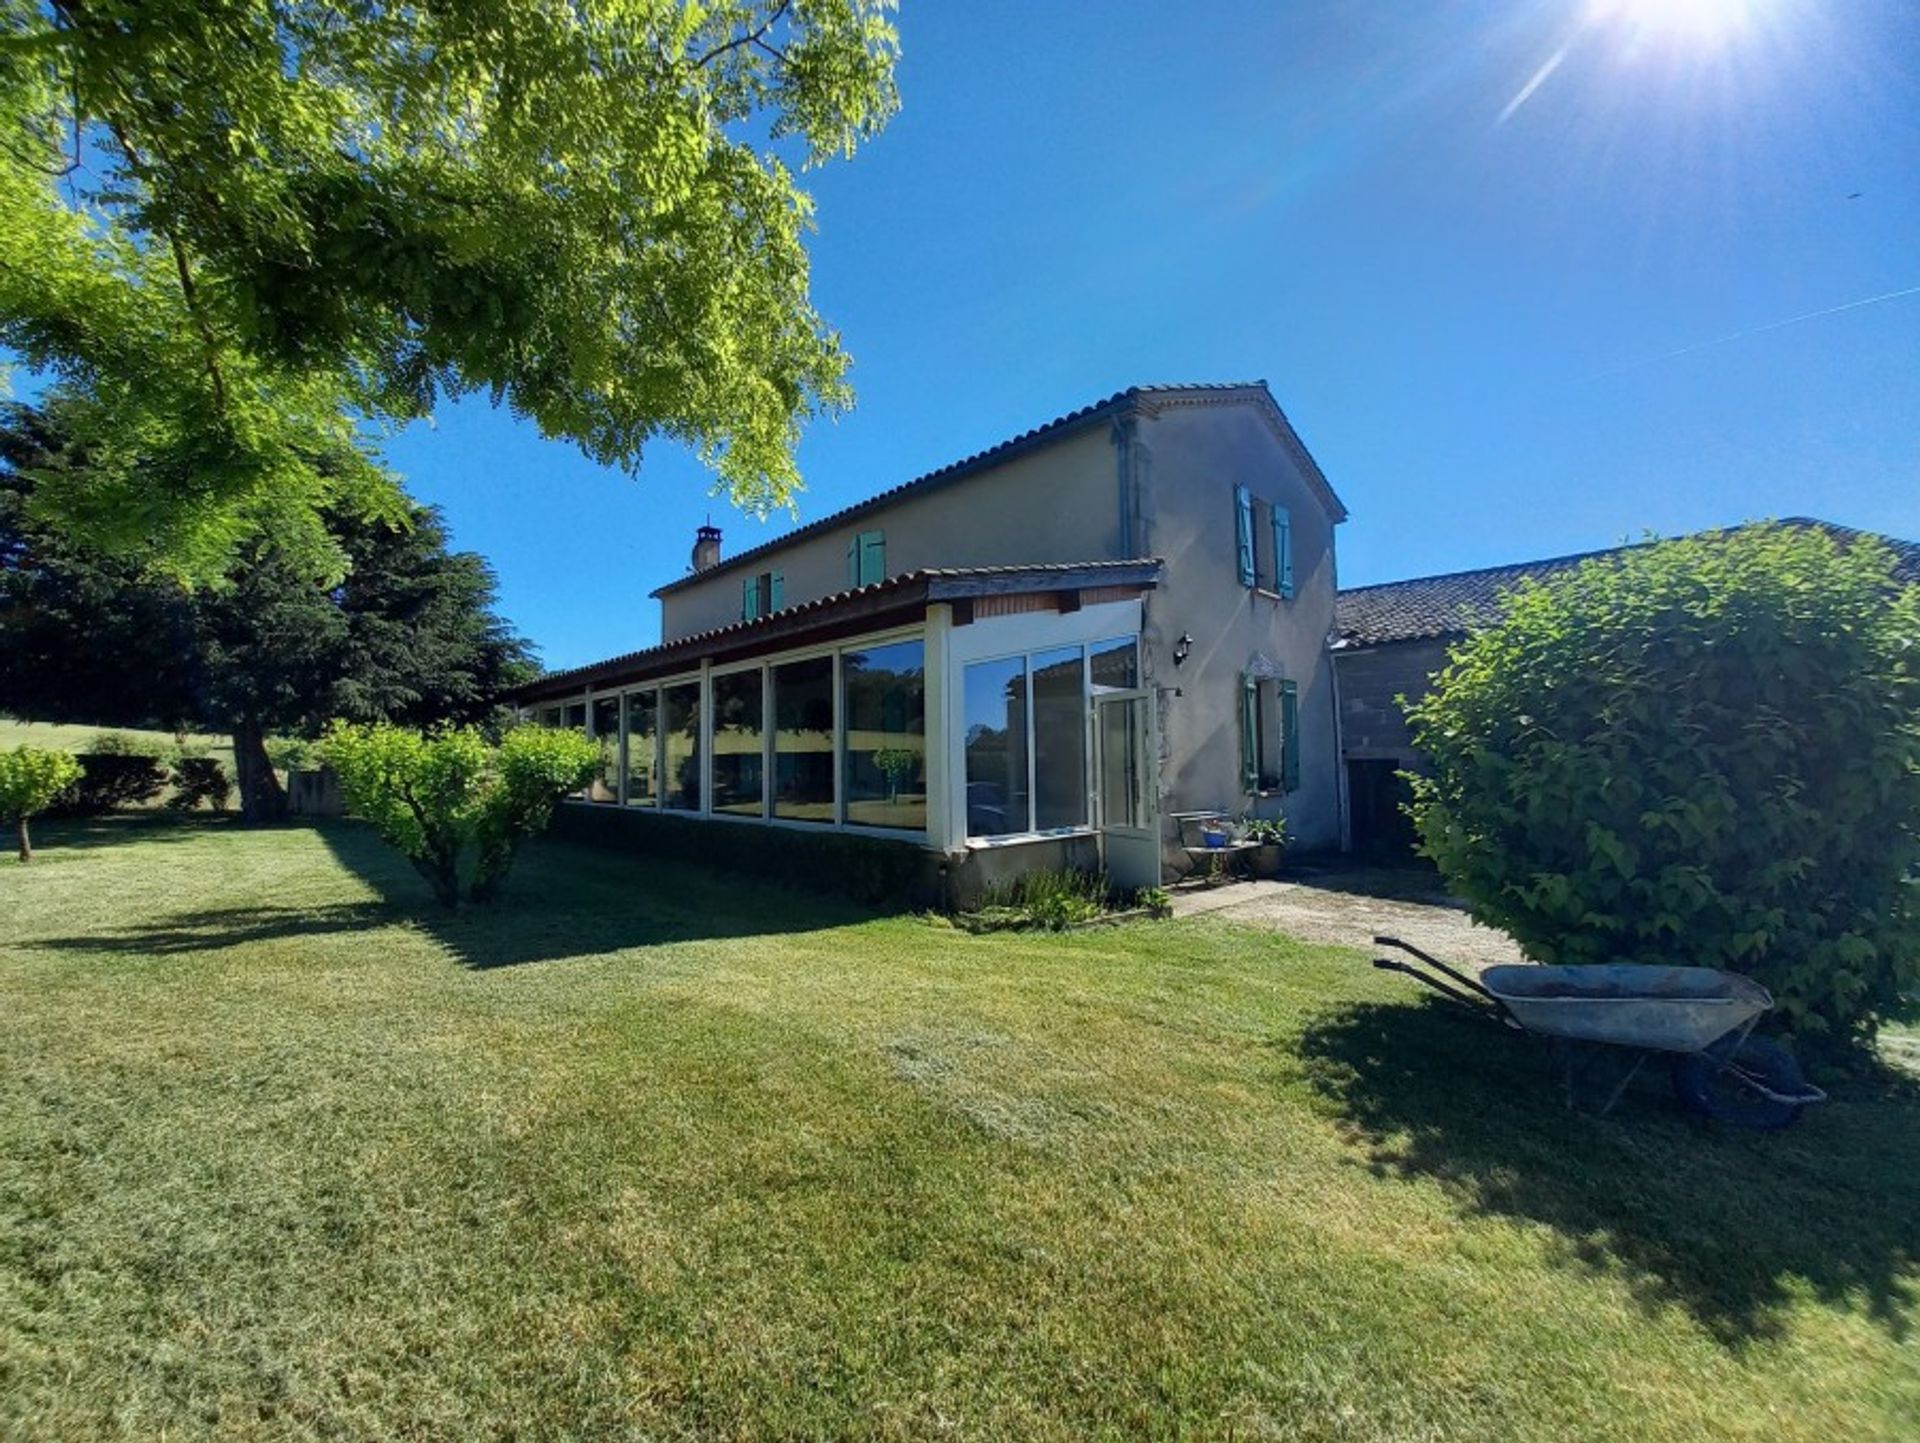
point(1736, 1088)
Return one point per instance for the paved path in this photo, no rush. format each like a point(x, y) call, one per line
point(1348, 908)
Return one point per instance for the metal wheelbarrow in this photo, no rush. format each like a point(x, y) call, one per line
point(1702, 1019)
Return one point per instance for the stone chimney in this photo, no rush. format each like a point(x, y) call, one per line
point(706, 547)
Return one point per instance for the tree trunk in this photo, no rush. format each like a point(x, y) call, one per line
point(261, 797)
point(26, 843)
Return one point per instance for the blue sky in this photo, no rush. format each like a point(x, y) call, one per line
point(1472, 320)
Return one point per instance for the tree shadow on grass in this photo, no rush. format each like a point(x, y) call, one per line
point(218, 928)
point(568, 900)
point(130, 825)
point(1730, 1226)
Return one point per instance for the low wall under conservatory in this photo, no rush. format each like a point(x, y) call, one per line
point(878, 871)
point(874, 870)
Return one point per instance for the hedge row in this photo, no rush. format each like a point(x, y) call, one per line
point(109, 780)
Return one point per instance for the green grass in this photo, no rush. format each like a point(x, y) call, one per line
point(65, 737)
point(284, 1154)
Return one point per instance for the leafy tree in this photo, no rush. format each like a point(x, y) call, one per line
point(432, 796)
point(29, 780)
point(1703, 751)
point(409, 636)
point(232, 231)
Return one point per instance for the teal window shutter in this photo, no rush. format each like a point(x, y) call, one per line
point(775, 582)
point(1283, 551)
point(1249, 734)
point(873, 557)
point(1243, 531)
point(749, 598)
point(853, 561)
point(1289, 737)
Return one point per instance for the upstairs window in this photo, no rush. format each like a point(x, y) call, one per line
point(760, 595)
point(1263, 537)
point(867, 558)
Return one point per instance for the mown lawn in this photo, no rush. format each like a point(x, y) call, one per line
point(655, 1155)
point(73, 738)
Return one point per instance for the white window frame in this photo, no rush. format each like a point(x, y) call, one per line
point(705, 675)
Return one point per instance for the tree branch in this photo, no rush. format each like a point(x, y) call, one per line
point(189, 292)
point(751, 38)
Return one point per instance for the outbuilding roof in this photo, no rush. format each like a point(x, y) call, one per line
point(875, 605)
point(1427, 608)
point(1134, 398)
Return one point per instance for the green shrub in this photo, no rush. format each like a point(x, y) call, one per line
point(108, 780)
point(292, 754)
point(1268, 831)
point(1157, 901)
point(115, 744)
point(1705, 752)
point(433, 796)
point(1052, 900)
point(30, 779)
point(196, 780)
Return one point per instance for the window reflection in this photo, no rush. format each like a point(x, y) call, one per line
point(884, 755)
point(680, 734)
point(643, 736)
point(739, 764)
point(995, 706)
point(803, 740)
point(1059, 739)
point(605, 786)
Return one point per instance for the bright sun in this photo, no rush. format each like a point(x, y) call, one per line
point(1698, 20)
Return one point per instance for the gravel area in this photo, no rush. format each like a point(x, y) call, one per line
point(1348, 908)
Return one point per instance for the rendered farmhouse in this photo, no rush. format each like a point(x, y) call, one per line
point(1044, 654)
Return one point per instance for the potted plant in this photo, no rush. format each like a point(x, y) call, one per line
point(1271, 834)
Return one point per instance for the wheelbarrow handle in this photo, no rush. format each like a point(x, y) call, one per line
point(1471, 984)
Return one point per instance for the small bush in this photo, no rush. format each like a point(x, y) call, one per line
point(115, 744)
point(30, 779)
point(434, 796)
point(196, 780)
point(292, 754)
point(1051, 900)
point(1703, 751)
point(107, 781)
point(1157, 901)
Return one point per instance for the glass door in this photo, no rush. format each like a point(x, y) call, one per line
point(1124, 768)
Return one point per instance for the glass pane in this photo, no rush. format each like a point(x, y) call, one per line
point(680, 727)
point(996, 742)
point(739, 743)
point(884, 761)
point(573, 716)
point(1122, 763)
point(643, 738)
point(549, 716)
point(1059, 739)
point(1114, 665)
point(803, 740)
point(605, 786)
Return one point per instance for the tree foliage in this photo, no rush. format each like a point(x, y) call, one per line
point(435, 796)
point(30, 778)
point(1701, 752)
point(410, 635)
point(235, 231)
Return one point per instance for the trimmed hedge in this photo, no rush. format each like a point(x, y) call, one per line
point(109, 780)
point(871, 870)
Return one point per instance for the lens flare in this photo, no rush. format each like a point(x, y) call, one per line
point(1706, 21)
